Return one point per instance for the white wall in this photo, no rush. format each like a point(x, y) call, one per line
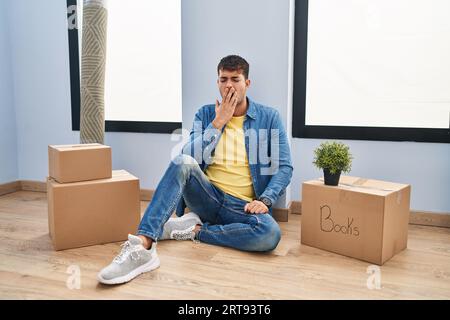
point(426, 166)
point(8, 139)
point(211, 29)
point(258, 30)
point(42, 98)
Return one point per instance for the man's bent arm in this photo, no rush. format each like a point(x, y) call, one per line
point(282, 164)
point(202, 141)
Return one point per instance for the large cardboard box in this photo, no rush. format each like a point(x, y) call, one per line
point(79, 162)
point(360, 218)
point(93, 212)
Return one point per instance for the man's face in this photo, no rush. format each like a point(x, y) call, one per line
point(235, 79)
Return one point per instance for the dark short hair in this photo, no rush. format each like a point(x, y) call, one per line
point(233, 63)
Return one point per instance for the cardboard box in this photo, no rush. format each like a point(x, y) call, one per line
point(360, 218)
point(93, 212)
point(79, 162)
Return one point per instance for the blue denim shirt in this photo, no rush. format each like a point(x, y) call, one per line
point(266, 144)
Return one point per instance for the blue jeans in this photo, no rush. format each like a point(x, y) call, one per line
point(225, 222)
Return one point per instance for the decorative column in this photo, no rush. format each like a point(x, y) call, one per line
point(93, 57)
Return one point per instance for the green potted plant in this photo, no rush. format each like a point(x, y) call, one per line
point(334, 158)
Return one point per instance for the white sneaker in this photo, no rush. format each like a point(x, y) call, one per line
point(133, 260)
point(181, 228)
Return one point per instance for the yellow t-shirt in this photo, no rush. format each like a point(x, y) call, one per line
point(229, 170)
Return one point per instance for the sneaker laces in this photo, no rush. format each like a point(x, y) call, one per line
point(127, 250)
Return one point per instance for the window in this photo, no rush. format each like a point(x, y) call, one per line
point(372, 70)
point(143, 65)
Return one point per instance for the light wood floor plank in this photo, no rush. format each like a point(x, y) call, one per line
point(31, 269)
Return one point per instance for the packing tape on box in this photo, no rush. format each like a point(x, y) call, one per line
point(358, 184)
point(85, 145)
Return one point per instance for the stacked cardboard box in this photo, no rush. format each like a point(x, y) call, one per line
point(88, 203)
point(361, 218)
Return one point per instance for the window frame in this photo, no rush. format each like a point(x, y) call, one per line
point(110, 125)
point(301, 130)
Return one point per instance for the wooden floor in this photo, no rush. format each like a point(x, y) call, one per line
point(31, 269)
